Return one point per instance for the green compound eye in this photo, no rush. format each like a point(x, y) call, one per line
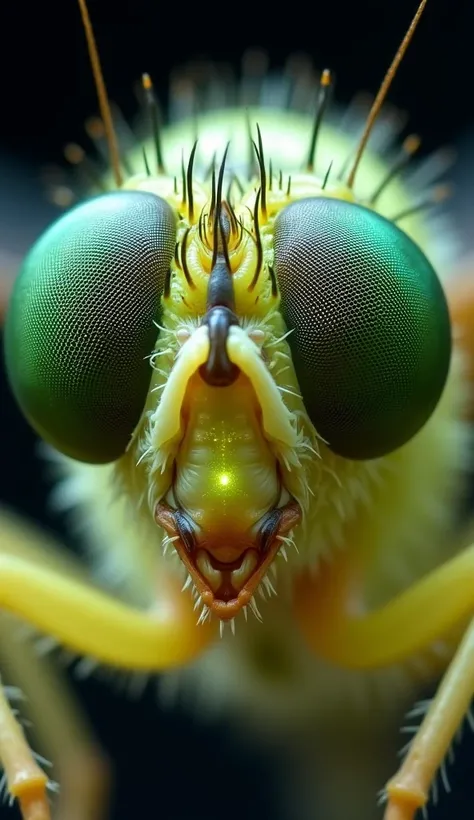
point(81, 322)
point(371, 340)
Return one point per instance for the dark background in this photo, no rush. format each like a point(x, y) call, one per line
point(47, 88)
point(46, 93)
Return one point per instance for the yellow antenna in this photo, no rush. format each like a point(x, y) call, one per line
point(382, 93)
point(104, 104)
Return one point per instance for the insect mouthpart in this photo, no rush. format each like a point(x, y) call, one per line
point(227, 569)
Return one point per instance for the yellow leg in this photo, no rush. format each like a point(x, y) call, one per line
point(408, 790)
point(325, 609)
point(58, 728)
point(42, 585)
point(408, 624)
point(89, 622)
point(26, 781)
point(47, 588)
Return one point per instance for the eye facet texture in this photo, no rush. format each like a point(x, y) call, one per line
point(81, 319)
point(371, 340)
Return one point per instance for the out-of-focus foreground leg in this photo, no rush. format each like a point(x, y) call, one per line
point(59, 729)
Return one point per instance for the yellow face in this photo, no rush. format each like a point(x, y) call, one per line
point(232, 458)
point(216, 442)
point(302, 338)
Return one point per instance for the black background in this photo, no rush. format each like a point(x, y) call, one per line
point(47, 87)
point(167, 764)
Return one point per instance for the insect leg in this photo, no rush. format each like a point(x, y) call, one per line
point(88, 621)
point(49, 591)
point(409, 623)
point(435, 607)
point(408, 790)
point(25, 780)
point(60, 731)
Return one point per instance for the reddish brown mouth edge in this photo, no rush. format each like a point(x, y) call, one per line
point(226, 610)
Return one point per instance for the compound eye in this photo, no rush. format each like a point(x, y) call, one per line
point(371, 340)
point(81, 322)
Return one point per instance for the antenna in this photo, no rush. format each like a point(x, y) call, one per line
point(154, 118)
point(324, 88)
point(382, 92)
point(104, 104)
